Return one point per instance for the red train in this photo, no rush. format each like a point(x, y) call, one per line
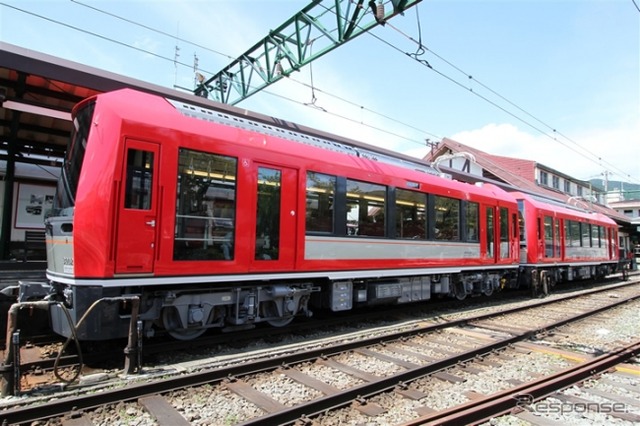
point(559, 243)
point(216, 220)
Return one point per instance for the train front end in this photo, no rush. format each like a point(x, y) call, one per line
point(59, 225)
point(72, 300)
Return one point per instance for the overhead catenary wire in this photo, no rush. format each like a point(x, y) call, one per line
point(421, 49)
point(174, 61)
point(363, 108)
point(155, 30)
point(100, 36)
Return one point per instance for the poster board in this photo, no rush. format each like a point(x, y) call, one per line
point(34, 201)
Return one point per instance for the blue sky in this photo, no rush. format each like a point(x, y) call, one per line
point(572, 66)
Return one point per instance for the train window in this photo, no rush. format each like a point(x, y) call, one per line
point(68, 184)
point(586, 234)
point(139, 177)
point(556, 237)
point(574, 239)
point(548, 236)
point(521, 224)
point(411, 217)
point(268, 214)
point(205, 207)
point(472, 223)
point(321, 190)
point(447, 218)
point(595, 236)
point(365, 209)
point(504, 233)
point(490, 232)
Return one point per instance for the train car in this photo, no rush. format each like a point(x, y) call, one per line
point(221, 220)
point(560, 243)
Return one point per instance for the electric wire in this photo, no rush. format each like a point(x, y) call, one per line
point(470, 77)
point(155, 30)
point(363, 108)
point(421, 49)
point(353, 120)
point(100, 36)
point(313, 105)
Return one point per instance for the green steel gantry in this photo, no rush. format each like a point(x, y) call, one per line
point(314, 31)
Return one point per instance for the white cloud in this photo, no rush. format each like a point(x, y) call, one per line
point(587, 155)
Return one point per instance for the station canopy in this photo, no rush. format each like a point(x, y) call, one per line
point(37, 93)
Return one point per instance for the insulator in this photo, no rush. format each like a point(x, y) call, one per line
point(380, 11)
point(279, 69)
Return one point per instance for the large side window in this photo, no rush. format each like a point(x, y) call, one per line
point(321, 190)
point(521, 223)
point(411, 218)
point(595, 236)
point(365, 209)
point(575, 233)
point(491, 229)
point(205, 206)
point(556, 237)
point(472, 222)
point(586, 234)
point(504, 233)
point(548, 236)
point(447, 218)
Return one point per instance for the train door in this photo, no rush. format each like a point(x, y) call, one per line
point(275, 230)
point(491, 233)
point(504, 233)
point(137, 209)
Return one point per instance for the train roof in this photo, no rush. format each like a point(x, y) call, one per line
point(559, 207)
point(155, 112)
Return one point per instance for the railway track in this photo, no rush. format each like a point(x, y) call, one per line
point(364, 367)
point(484, 408)
point(40, 356)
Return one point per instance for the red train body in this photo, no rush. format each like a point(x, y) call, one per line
point(214, 220)
point(559, 243)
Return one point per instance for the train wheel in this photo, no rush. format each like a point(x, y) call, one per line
point(270, 310)
point(459, 291)
point(172, 324)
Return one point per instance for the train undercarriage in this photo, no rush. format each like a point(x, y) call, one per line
point(101, 313)
point(542, 279)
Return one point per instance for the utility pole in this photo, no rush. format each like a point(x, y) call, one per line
point(606, 180)
point(431, 145)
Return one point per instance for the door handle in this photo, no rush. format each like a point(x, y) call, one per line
point(151, 223)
